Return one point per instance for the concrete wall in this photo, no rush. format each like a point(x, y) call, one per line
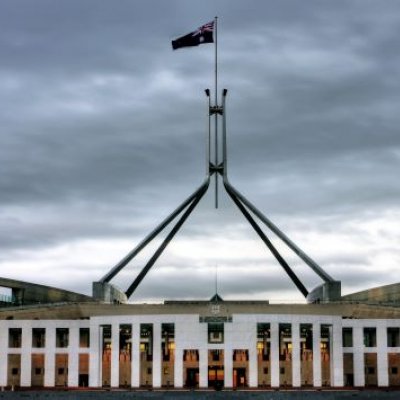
point(30, 293)
point(382, 294)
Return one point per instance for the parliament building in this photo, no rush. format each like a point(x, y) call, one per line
point(75, 341)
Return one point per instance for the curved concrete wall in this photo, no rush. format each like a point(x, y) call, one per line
point(382, 294)
point(31, 293)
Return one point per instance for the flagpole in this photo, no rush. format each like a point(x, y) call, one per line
point(216, 60)
point(216, 114)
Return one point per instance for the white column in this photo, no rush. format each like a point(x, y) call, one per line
point(228, 368)
point(95, 355)
point(358, 356)
point(50, 357)
point(73, 357)
point(253, 363)
point(3, 354)
point(317, 354)
point(26, 356)
point(337, 355)
point(157, 355)
point(135, 366)
point(382, 355)
point(296, 375)
point(274, 354)
point(203, 368)
point(178, 367)
point(114, 355)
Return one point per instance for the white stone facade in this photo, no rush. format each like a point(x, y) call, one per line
point(191, 334)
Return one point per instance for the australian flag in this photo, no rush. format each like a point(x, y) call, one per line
point(204, 34)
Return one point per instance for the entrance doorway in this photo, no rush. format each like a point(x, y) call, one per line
point(192, 377)
point(239, 378)
point(216, 369)
point(83, 370)
point(191, 368)
point(240, 368)
point(216, 377)
point(83, 380)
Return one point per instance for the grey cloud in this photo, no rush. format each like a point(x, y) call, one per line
point(103, 126)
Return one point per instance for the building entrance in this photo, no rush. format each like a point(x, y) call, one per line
point(239, 378)
point(191, 368)
point(83, 380)
point(216, 369)
point(240, 368)
point(216, 377)
point(192, 377)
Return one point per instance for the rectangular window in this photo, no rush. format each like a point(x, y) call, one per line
point(306, 339)
point(216, 332)
point(168, 341)
point(240, 355)
point(215, 354)
point(146, 341)
point(282, 370)
point(39, 337)
point(14, 337)
point(38, 371)
point(14, 371)
point(347, 334)
point(393, 337)
point(62, 337)
point(266, 370)
point(191, 355)
point(263, 340)
point(285, 341)
point(394, 370)
point(84, 337)
point(370, 337)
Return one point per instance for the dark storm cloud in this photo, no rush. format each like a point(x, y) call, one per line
point(103, 126)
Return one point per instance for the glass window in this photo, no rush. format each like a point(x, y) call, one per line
point(168, 341)
point(370, 337)
point(146, 341)
point(84, 337)
point(14, 337)
point(216, 332)
point(62, 337)
point(393, 337)
point(347, 337)
point(285, 341)
point(38, 337)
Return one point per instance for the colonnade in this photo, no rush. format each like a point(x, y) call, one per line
point(239, 335)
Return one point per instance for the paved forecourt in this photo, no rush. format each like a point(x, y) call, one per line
point(203, 395)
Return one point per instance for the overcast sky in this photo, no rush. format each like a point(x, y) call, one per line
point(102, 135)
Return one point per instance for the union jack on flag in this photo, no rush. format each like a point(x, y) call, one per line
point(204, 34)
point(209, 27)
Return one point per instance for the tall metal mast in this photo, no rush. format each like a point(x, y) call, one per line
point(244, 205)
point(248, 210)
